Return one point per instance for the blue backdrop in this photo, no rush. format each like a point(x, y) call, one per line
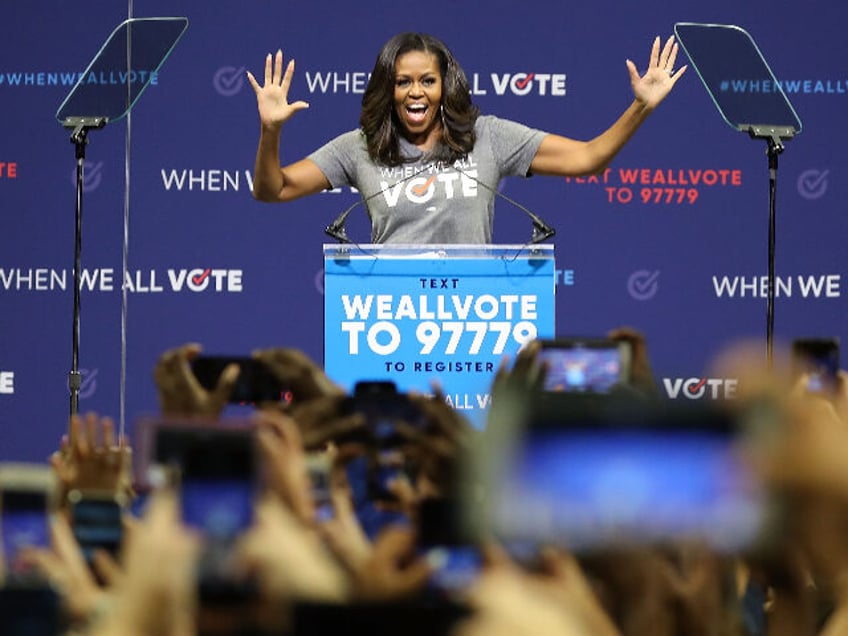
point(209, 264)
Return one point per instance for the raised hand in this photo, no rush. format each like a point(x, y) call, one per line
point(90, 458)
point(156, 593)
point(64, 567)
point(288, 558)
point(660, 76)
point(272, 97)
point(180, 392)
point(299, 373)
point(281, 447)
point(392, 571)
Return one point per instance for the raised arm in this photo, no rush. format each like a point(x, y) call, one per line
point(272, 182)
point(561, 156)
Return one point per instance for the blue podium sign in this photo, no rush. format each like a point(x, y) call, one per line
point(414, 314)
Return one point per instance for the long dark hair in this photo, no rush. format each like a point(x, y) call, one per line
point(379, 121)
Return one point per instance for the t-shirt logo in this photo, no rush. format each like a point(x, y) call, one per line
point(435, 179)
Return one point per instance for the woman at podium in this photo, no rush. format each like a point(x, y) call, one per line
point(425, 160)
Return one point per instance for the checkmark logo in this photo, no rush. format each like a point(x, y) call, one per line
point(522, 84)
point(199, 278)
point(812, 184)
point(92, 175)
point(228, 80)
point(420, 190)
point(643, 284)
point(696, 387)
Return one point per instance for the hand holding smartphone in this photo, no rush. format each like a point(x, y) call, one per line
point(256, 383)
point(27, 494)
point(214, 467)
point(596, 475)
point(585, 365)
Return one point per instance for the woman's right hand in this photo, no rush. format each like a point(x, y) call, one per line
point(273, 97)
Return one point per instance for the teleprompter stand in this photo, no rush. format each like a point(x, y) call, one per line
point(105, 92)
point(750, 99)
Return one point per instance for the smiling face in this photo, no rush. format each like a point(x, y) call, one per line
point(418, 95)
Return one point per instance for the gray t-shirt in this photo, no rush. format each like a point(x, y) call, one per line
point(427, 201)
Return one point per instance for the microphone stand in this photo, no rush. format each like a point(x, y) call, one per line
point(336, 229)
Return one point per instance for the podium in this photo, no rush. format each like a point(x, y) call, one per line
point(415, 314)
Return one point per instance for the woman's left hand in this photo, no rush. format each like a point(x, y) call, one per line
point(652, 87)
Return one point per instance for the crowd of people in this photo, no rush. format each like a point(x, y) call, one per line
point(334, 543)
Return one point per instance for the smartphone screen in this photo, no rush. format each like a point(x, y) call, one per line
point(255, 383)
point(319, 468)
point(23, 521)
point(383, 408)
point(217, 476)
point(620, 479)
point(455, 568)
point(818, 358)
point(97, 523)
point(373, 513)
point(456, 560)
point(221, 508)
point(590, 365)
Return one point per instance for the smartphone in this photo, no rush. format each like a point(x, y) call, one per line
point(819, 359)
point(27, 494)
point(213, 466)
point(215, 469)
point(319, 468)
point(635, 474)
point(454, 554)
point(585, 365)
point(374, 508)
point(455, 558)
point(97, 522)
point(256, 382)
point(383, 408)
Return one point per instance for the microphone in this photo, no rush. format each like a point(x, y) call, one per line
point(336, 229)
point(541, 230)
